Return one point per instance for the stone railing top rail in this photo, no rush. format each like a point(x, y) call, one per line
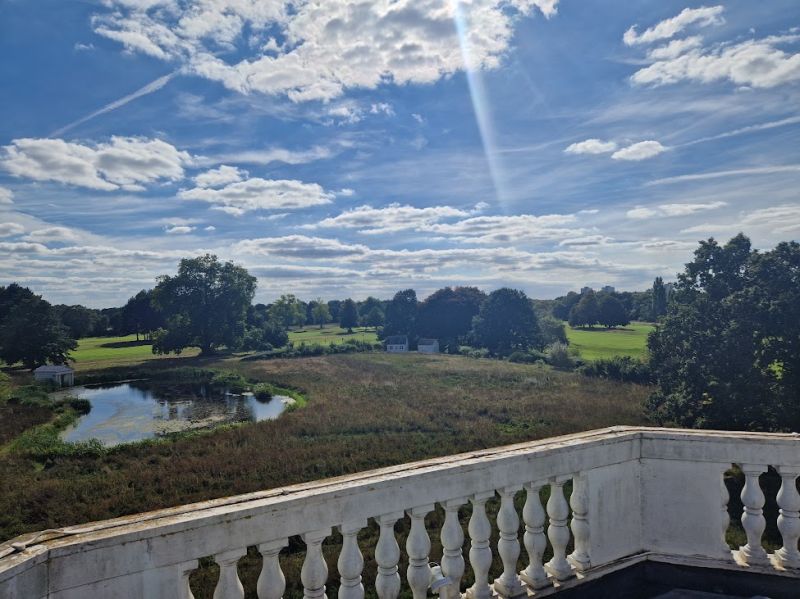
point(397, 488)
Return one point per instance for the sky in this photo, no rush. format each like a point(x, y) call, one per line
point(346, 148)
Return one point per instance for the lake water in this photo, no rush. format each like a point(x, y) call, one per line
point(126, 412)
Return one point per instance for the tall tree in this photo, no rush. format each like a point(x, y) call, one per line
point(507, 323)
point(611, 312)
point(30, 330)
point(447, 314)
point(288, 310)
point(320, 312)
point(205, 305)
point(586, 312)
point(727, 352)
point(348, 315)
point(79, 320)
point(401, 314)
point(141, 315)
point(659, 298)
point(374, 318)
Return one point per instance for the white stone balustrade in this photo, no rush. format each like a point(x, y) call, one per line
point(636, 494)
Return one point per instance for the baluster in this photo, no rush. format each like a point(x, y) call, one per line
point(314, 573)
point(558, 531)
point(452, 537)
point(535, 541)
point(229, 586)
point(387, 555)
point(753, 518)
point(418, 548)
point(578, 501)
point(351, 562)
point(480, 553)
point(789, 519)
point(725, 519)
point(508, 584)
point(271, 581)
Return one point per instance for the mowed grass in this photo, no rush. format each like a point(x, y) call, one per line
point(594, 344)
point(330, 334)
point(107, 352)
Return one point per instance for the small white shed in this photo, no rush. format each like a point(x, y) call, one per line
point(397, 344)
point(428, 346)
point(61, 376)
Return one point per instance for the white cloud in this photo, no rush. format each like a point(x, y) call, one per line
point(6, 196)
point(260, 194)
point(11, 229)
point(220, 176)
point(505, 230)
point(391, 218)
point(210, 228)
point(418, 117)
point(757, 170)
point(639, 151)
point(783, 220)
point(330, 46)
point(178, 230)
point(268, 155)
point(122, 163)
point(675, 48)
point(54, 234)
point(702, 17)
point(754, 63)
point(676, 209)
point(382, 108)
point(591, 146)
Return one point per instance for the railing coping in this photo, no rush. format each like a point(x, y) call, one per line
point(32, 545)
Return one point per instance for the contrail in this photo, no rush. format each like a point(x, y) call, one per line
point(142, 91)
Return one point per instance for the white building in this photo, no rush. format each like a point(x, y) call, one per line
point(61, 376)
point(608, 289)
point(428, 346)
point(397, 344)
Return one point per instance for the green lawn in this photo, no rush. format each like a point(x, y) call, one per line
point(330, 334)
point(594, 344)
point(101, 352)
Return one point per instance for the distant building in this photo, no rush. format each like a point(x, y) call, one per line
point(608, 289)
point(585, 290)
point(428, 346)
point(397, 344)
point(61, 376)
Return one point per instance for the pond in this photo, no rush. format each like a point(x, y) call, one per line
point(133, 411)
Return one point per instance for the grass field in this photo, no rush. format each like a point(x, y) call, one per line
point(106, 352)
point(330, 334)
point(594, 344)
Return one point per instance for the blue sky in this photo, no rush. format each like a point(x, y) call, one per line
point(341, 148)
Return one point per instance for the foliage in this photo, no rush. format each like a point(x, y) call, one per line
point(262, 391)
point(374, 318)
point(586, 312)
point(447, 314)
point(506, 323)
point(401, 314)
point(348, 316)
point(527, 357)
point(727, 353)
point(611, 312)
point(558, 356)
point(205, 305)
point(304, 350)
point(140, 315)
point(79, 320)
point(287, 310)
point(659, 298)
point(552, 330)
point(619, 368)
point(81, 405)
point(30, 330)
point(563, 305)
point(320, 312)
point(264, 337)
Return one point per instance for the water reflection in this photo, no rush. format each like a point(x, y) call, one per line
point(127, 412)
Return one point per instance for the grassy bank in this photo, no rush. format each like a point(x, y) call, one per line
point(108, 352)
point(364, 411)
point(596, 343)
point(330, 334)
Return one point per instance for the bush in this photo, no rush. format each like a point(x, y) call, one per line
point(473, 352)
point(527, 357)
point(230, 381)
point(619, 368)
point(81, 405)
point(303, 350)
point(263, 391)
point(558, 356)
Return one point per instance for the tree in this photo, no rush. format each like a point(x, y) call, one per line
point(368, 305)
point(727, 353)
point(288, 310)
point(401, 314)
point(348, 315)
point(141, 315)
point(586, 312)
point(205, 305)
point(447, 314)
point(507, 323)
point(659, 298)
point(320, 312)
point(79, 320)
point(374, 318)
point(611, 312)
point(334, 307)
point(30, 330)
point(563, 305)
point(552, 330)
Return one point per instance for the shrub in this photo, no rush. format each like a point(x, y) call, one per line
point(619, 368)
point(558, 355)
point(262, 391)
point(230, 381)
point(527, 357)
point(81, 405)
